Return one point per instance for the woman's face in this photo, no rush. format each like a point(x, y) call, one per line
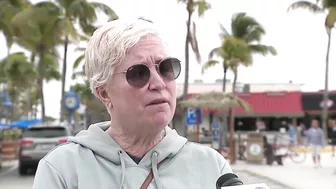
point(131, 105)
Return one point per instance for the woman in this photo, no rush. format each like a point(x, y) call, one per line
point(132, 72)
point(316, 141)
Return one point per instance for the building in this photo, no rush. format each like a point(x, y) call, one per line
point(199, 86)
point(275, 103)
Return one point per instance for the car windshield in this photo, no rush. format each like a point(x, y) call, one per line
point(45, 132)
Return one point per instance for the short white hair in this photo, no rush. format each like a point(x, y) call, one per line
point(109, 45)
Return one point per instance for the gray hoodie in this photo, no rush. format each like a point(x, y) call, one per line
point(93, 160)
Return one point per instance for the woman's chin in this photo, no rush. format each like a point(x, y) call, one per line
point(160, 119)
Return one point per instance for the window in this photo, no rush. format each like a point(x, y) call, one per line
point(45, 132)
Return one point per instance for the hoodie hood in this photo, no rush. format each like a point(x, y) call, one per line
point(102, 144)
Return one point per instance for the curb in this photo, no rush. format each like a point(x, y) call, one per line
point(253, 173)
point(8, 163)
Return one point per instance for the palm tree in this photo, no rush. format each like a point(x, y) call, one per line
point(237, 49)
point(8, 9)
point(19, 74)
point(39, 30)
point(73, 12)
point(191, 39)
point(322, 6)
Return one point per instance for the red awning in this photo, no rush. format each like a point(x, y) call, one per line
point(273, 103)
point(269, 104)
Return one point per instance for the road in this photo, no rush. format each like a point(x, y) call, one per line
point(249, 178)
point(10, 179)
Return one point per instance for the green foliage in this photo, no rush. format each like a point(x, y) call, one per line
point(41, 28)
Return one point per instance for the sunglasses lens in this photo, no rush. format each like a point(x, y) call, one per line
point(170, 69)
point(138, 75)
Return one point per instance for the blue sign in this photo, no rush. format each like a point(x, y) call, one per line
point(71, 101)
point(215, 126)
point(5, 99)
point(215, 131)
point(191, 116)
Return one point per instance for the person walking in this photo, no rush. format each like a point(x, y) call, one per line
point(315, 140)
point(332, 137)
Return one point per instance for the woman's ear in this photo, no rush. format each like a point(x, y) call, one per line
point(103, 95)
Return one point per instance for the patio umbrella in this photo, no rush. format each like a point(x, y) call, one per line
point(217, 101)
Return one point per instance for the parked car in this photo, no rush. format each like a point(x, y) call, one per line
point(36, 142)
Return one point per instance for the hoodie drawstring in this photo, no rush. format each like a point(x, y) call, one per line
point(123, 168)
point(155, 170)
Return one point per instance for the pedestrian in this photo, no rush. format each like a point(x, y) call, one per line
point(131, 70)
point(332, 137)
point(291, 135)
point(315, 140)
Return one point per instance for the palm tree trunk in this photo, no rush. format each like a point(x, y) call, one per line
point(40, 80)
point(224, 78)
point(223, 127)
point(64, 77)
point(186, 76)
point(232, 119)
point(326, 90)
point(29, 92)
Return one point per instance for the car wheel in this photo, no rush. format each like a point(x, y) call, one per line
point(22, 170)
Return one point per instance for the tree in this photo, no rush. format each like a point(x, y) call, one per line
point(18, 74)
point(237, 49)
point(85, 13)
point(39, 30)
point(8, 9)
point(191, 39)
point(322, 6)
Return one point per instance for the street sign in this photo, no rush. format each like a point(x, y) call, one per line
point(215, 125)
point(71, 101)
point(327, 103)
point(215, 130)
point(191, 116)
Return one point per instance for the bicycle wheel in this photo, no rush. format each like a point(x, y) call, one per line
point(297, 154)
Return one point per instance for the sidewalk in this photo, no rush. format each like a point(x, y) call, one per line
point(297, 176)
point(9, 163)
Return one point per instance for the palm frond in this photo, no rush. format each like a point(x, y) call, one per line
point(194, 43)
point(223, 33)
point(313, 7)
point(202, 7)
point(262, 49)
point(331, 18)
point(209, 64)
point(78, 61)
point(105, 9)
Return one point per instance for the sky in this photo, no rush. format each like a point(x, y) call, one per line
point(299, 37)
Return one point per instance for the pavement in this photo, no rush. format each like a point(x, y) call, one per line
point(250, 178)
point(8, 166)
point(326, 149)
point(292, 175)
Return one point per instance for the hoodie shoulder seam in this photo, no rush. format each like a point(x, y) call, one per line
point(225, 163)
point(55, 170)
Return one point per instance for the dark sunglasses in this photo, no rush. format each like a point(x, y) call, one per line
point(138, 75)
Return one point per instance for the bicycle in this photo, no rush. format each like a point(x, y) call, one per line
point(295, 152)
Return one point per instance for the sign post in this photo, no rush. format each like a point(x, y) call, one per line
point(71, 104)
point(194, 117)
